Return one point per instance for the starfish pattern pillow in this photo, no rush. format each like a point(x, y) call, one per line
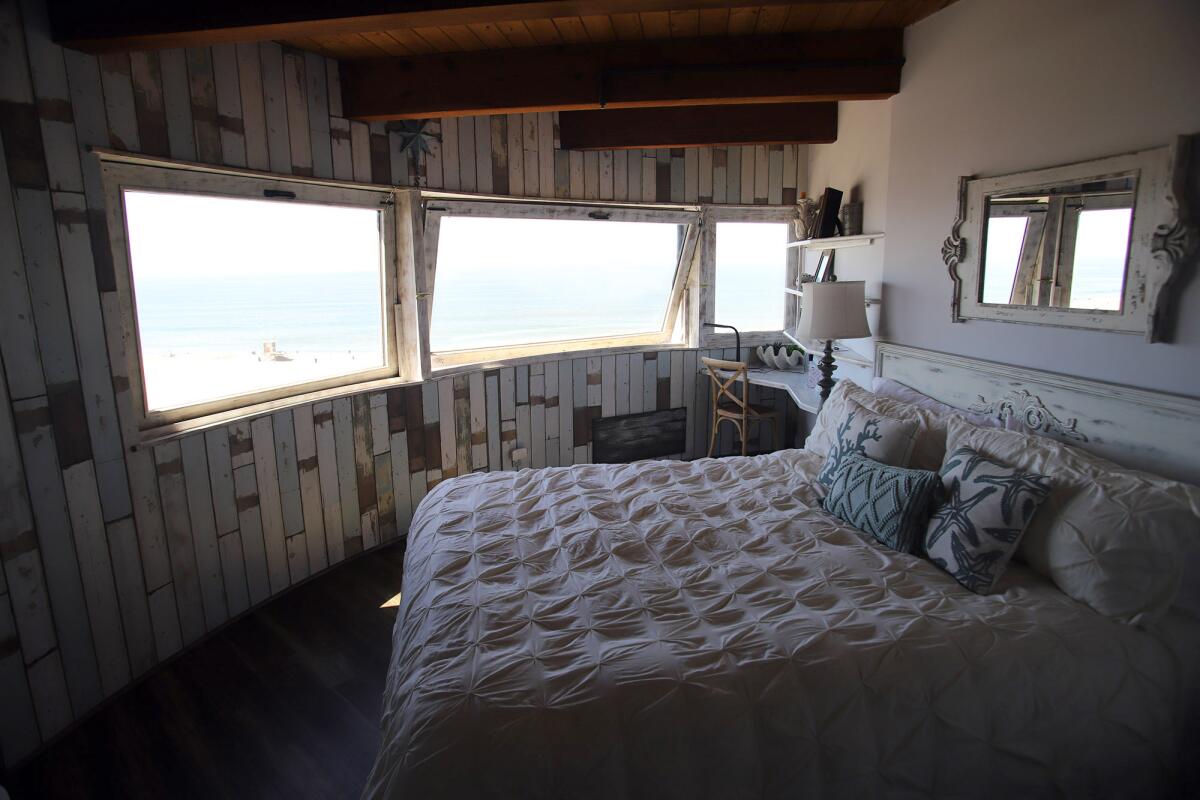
point(987, 507)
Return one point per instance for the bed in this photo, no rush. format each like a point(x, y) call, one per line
point(705, 629)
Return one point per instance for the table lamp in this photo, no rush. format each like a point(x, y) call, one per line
point(832, 310)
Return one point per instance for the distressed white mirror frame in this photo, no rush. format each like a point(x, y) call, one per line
point(1163, 242)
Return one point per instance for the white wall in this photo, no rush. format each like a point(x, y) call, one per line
point(857, 163)
point(996, 87)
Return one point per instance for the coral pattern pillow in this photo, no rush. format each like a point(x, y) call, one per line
point(986, 508)
point(862, 432)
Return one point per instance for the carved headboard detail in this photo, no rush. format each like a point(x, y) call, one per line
point(1152, 431)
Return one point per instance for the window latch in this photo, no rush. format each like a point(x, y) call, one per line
point(599, 215)
point(281, 193)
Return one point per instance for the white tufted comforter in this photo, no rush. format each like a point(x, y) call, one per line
point(704, 630)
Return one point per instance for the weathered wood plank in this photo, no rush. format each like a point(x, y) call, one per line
point(69, 622)
point(364, 476)
point(537, 416)
point(650, 382)
point(95, 568)
point(275, 105)
point(492, 396)
point(329, 471)
point(295, 90)
point(566, 412)
point(50, 700)
point(204, 530)
point(636, 377)
point(289, 475)
point(448, 446)
point(546, 127)
point(343, 426)
point(451, 175)
point(233, 568)
point(220, 476)
point(131, 595)
point(169, 463)
point(164, 620)
point(478, 421)
point(343, 158)
point(18, 338)
point(467, 175)
point(118, 101)
point(266, 474)
point(254, 114)
point(620, 385)
point(19, 735)
point(401, 485)
point(317, 95)
point(360, 151)
point(177, 105)
point(204, 105)
point(254, 551)
point(49, 83)
point(307, 465)
point(230, 124)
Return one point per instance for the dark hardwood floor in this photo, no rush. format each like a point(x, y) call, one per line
point(285, 702)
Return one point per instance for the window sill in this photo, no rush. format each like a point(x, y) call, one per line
point(175, 430)
point(442, 367)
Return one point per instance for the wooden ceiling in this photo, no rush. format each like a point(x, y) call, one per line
point(536, 30)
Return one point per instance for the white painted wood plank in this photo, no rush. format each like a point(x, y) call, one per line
point(720, 180)
point(327, 470)
point(483, 155)
point(775, 175)
point(637, 373)
point(508, 440)
point(49, 78)
point(220, 478)
point(317, 94)
point(204, 530)
point(650, 384)
point(508, 393)
point(307, 465)
point(343, 426)
point(566, 412)
point(168, 461)
point(676, 362)
point(633, 160)
point(620, 384)
point(691, 175)
point(545, 150)
point(254, 113)
point(18, 338)
point(595, 381)
point(229, 105)
point(577, 183)
point(689, 378)
point(380, 439)
point(19, 735)
point(537, 420)
point(451, 174)
point(401, 481)
point(492, 396)
point(360, 151)
point(704, 169)
point(532, 166)
point(270, 506)
point(254, 552)
point(516, 155)
point(131, 594)
point(68, 623)
point(445, 390)
point(620, 175)
point(343, 158)
point(333, 79)
point(118, 101)
point(50, 702)
point(233, 568)
point(164, 619)
point(550, 372)
point(177, 105)
point(479, 433)
point(295, 90)
point(275, 105)
point(467, 177)
point(95, 568)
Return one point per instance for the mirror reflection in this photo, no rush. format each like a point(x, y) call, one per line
point(1060, 247)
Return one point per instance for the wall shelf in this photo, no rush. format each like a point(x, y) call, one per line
point(837, 242)
point(840, 352)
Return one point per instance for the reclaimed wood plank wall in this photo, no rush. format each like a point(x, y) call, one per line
point(115, 559)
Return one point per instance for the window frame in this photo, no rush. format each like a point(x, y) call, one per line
point(435, 208)
point(120, 174)
point(715, 337)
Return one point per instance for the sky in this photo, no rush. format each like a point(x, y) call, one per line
point(186, 235)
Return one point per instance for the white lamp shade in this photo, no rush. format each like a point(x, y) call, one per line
point(833, 310)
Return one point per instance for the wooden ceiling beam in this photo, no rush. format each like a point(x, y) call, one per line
point(847, 65)
point(699, 126)
point(97, 27)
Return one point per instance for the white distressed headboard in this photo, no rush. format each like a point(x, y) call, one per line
point(1146, 430)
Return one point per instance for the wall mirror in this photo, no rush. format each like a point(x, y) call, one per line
point(1090, 245)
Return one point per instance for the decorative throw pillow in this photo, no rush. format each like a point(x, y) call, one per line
point(1110, 537)
point(987, 507)
point(890, 503)
point(875, 436)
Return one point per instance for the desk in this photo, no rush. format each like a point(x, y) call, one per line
point(794, 382)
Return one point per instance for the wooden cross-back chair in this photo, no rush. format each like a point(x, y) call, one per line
point(726, 405)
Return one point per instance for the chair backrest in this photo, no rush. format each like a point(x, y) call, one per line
point(724, 375)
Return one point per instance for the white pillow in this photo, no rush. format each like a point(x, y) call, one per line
point(929, 447)
point(1110, 537)
point(886, 387)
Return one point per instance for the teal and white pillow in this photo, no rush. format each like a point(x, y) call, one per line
point(864, 432)
point(987, 507)
point(890, 503)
